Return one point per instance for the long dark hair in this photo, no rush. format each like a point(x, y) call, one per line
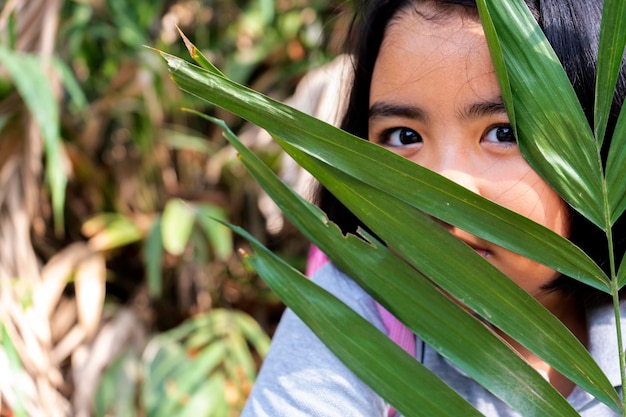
point(572, 27)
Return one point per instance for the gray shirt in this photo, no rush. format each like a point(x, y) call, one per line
point(301, 377)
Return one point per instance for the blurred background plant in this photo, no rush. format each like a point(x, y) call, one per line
point(118, 295)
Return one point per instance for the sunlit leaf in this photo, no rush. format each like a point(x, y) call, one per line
point(111, 230)
point(413, 304)
point(553, 132)
point(612, 41)
point(219, 236)
point(391, 173)
point(610, 54)
point(616, 168)
point(176, 224)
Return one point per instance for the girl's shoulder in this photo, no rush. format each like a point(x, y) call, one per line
point(335, 281)
point(301, 377)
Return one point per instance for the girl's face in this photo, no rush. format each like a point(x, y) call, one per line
point(435, 100)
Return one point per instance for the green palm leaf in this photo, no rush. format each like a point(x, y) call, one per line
point(616, 169)
point(467, 277)
point(407, 181)
point(426, 310)
point(379, 362)
point(553, 133)
point(611, 51)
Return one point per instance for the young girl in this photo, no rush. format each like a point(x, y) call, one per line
point(425, 88)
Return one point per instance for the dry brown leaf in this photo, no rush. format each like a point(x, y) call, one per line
point(68, 344)
point(63, 319)
point(90, 282)
point(55, 275)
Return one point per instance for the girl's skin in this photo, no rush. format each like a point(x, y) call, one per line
point(435, 100)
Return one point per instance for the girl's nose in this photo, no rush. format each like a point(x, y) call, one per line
point(454, 164)
point(462, 176)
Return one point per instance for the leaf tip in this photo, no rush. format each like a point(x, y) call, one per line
point(190, 46)
point(153, 49)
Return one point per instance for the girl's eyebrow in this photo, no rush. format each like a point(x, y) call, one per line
point(386, 109)
point(487, 107)
point(483, 108)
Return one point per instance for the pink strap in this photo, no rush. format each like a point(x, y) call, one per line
point(397, 331)
point(315, 261)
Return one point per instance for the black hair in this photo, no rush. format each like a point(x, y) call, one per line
point(573, 29)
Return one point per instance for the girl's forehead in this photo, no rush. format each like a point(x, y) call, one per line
point(413, 32)
point(441, 26)
point(428, 61)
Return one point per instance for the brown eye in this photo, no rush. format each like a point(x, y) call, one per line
point(500, 134)
point(400, 136)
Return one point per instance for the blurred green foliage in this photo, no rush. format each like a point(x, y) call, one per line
point(201, 368)
point(134, 153)
point(139, 181)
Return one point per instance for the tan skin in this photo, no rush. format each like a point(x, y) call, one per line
point(435, 100)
